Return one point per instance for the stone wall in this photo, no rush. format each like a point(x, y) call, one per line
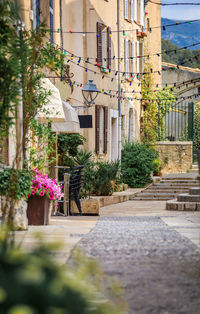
point(177, 156)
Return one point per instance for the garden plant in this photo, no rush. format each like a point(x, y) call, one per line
point(137, 164)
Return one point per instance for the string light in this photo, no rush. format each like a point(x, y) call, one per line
point(176, 85)
point(116, 72)
point(176, 3)
point(125, 30)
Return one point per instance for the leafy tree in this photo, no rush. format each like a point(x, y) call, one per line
point(25, 58)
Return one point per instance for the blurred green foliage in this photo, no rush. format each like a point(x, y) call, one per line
point(33, 283)
point(15, 183)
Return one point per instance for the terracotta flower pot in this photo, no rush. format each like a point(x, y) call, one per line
point(38, 210)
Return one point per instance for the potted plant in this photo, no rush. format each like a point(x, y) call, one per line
point(44, 190)
point(15, 185)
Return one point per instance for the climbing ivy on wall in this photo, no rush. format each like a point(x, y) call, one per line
point(196, 139)
point(156, 105)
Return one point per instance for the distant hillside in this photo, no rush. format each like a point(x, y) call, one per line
point(182, 35)
point(183, 57)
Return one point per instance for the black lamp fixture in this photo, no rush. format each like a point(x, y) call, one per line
point(90, 93)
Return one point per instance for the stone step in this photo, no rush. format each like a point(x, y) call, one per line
point(156, 195)
point(194, 191)
point(148, 198)
point(167, 186)
point(186, 178)
point(174, 186)
point(153, 191)
point(178, 181)
point(188, 198)
point(182, 206)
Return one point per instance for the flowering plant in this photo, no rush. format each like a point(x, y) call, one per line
point(42, 185)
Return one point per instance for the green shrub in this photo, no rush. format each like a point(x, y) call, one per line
point(15, 183)
point(68, 148)
point(137, 164)
point(34, 283)
point(99, 178)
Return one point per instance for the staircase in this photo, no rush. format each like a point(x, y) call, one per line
point(187, 201)
point(169, 187)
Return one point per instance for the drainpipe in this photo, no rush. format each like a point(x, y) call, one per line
point(61, 36)
point(119, 80)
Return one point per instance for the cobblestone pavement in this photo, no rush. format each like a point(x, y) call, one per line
point(158, 267)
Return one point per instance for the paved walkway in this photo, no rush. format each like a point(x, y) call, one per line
point(151, 252)
point(65, 231)
point(155, 253)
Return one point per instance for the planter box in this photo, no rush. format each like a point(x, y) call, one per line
point(88, 206)
point(38, 210)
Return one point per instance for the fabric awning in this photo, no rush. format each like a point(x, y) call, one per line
point(63, 115)
point(54, 107)
point(71, 124)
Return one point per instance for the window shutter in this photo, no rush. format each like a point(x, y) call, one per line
point(142, 59)
point(108, 48)
point(126, 9)
point(99, 43)
point(105, 148)
point(138, 54)
point(132, 4)
point(126, 57)
point(135, 10)
point(142, 12)
point(133, 57)
point(97, 127)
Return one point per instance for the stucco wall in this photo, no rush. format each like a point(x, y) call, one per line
point(176, 155)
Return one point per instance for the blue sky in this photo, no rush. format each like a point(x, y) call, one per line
point(185, 12)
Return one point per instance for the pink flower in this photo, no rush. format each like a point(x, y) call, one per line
point(51, 196)
point(42, 193)
point(33, 193)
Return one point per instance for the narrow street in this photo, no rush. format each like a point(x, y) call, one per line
point(155, 253)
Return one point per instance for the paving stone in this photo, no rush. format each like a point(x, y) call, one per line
point(159, 268)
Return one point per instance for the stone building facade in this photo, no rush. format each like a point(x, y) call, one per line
point(87, 31)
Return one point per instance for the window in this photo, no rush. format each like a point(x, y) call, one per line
point(51, 19)
point(138, 54)
point(129, 60)
point(101, 132)
point(142, 12)
point(103, 46)
point(36, 13)
point(131, 125)
point(126, 9)
point(126, 57)
point(129, 10)
point(140, 60)
point(135, 10)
